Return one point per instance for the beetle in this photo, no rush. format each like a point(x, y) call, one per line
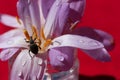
point(33, 47)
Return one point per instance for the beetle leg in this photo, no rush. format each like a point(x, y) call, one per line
point(30, 54)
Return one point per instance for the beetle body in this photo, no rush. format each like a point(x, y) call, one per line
point(33, 47)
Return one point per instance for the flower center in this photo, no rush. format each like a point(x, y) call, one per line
point(42, 42)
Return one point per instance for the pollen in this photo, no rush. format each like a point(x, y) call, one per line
point(41, 40)
point(46, 43)
point(34, 32)
point(26, 34)
point(42, 34)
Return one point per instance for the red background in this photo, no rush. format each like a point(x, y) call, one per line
point(100, 14)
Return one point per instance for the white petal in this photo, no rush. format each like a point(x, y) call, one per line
point(11, 33)
point(76, 41)
point(13, 42)
point(99, 54)
point(27, 68)
point(8, 53)
point(21, 66)
point(10, 21)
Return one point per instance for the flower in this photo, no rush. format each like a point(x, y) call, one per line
point(51, 30)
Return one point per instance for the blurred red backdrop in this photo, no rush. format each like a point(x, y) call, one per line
point(100, 14)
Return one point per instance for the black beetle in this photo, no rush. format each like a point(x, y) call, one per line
point(33, 47)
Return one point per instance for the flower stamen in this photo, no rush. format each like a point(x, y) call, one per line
point(18, 20)
point(73, 25)
point(42, 34)
point(34, 32)
point(26, 34)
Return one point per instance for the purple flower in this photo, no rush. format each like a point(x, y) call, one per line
point(46, 22)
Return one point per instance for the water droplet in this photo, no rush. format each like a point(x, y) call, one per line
point(40, 61)
point(10, 42)
point(71, 70)
point(23, 63)
point(93, 43)
point(20, 74)
point(81, 41)
point(61, 58)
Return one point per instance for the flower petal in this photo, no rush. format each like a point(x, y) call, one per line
point(24, 14)
point(108, 40)
point(99, 54)
point(13, 42)
point(21, 66)
point(60, 15)
point(62, 58)
point(25, 68)
point(76, 11)
point(96, 34)
point(45, 8)
point(8, 53)
point(76, 41)
point(34, 13)
point(10, 21)
point(10, 34)
point(61, 19)
point(49, 25)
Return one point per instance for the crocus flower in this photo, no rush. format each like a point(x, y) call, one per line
point(45, 22)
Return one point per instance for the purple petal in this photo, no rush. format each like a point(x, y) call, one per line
point(8, 53)
point(45, 8)
point(62, 58)
point(77, 8)
point(76, 41)
point(99, 54)
point(24, 14)
point(108, 40)
point(61, 14)
point(49, 26)
point(25, 68)
point(75, 13)
point(96, 34)
point(10, 21)
point(61, 19)
point(34, 13)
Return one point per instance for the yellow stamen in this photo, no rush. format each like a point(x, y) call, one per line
point(34, 32)
point(46, 44)
point(42, 33)
point(26, 34)
point(73, 25)
point(18, 20)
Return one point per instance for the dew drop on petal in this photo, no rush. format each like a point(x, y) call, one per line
point(81, 41)
point(9, 42)
point(23, 63)
point(20, 74)
point(71, 70)
point(40, 61)
point(61, 58)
